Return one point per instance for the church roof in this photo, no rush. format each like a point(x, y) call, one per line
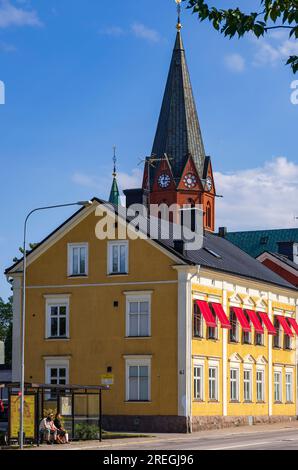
point(178, 131)
point(114, 194)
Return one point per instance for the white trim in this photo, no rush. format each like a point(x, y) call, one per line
point(263, 382)
point(235, 368)
point(103, 284)
point(110, 246)
point(214, 365)
point(56, 301)
point(278, 262)
point(248, 368)
point(225, 356)
point(137, 298)
point(70, 247)
point(53, 363)
point(270, 366)
point(201, 365)
point(137, 361)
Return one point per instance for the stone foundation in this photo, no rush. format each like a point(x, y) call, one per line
point(180, 424)
point(151, 424)
point(204, 423)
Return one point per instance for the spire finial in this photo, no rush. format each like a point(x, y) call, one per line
point(179, 25)
point(114, 161)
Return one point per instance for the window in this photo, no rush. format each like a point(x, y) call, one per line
point(57, 317)
point(246, 335)
point(287, 342)
point(78, 259)
point(260, 385)
point(208, 215)
point(57, 373)
point(277, 387)
point(138, 316)
point(234, 384)
point(234, 331)
point(118, 257)
point(213, 383)
point(212, 331)
point(259, 337)
point(138, 373)
point(289, 386)
point(197, 322)
point(198, 382)
point(277, 337)
point(247, 385)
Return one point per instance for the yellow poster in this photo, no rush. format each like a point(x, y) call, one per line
point(107, 379)
point(29, 416)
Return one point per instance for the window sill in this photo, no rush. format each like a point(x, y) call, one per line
point(66, 338)
point(260, 402)
point(233, 342)
point(117, 274)
point(198, 337)
point(290, 403)
point(234, 401)
point(277, 347)
point(215, 340)
point(138, 401)
point(213, 401)
point(138, 337)
point(198, 400)
point(249, 402)
point(288, 349)
point(77, 276)
point(277, 402)
point(260, 345)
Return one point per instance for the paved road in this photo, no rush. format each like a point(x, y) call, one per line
point(278, 439)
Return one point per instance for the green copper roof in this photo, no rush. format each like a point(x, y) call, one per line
point(256, 242)
point(114, 194)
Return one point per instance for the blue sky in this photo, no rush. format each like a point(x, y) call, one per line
point(83, 75)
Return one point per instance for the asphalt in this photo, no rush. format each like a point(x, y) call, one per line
point(259, 437)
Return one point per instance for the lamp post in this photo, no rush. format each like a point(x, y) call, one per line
point(22, 381)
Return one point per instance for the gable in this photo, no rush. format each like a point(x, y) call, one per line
point(190, 179)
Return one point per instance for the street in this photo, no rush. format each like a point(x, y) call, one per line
point(263, 437)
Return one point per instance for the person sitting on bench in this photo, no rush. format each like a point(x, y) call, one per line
point(62, 433)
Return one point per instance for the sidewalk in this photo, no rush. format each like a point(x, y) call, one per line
point(158, 438)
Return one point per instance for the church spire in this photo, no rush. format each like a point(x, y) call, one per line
point(114, 194)
point(178, 131)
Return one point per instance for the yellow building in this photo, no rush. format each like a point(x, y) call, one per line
point(194, 338)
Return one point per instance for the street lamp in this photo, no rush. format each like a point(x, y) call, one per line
point(22, 381)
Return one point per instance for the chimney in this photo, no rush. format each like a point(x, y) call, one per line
point(222, 232)
point(179, 246)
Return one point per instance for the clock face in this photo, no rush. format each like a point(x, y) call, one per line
point(190, 180)
point(208, 184)
point(164, 180)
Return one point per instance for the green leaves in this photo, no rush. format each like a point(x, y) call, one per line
point(293, 62)
point(273, 14)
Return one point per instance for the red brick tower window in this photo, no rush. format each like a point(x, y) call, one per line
point(208, 215)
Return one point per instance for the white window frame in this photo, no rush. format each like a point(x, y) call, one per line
point(141, 361)
point(111, 244)
point(198, 365)
point(70, 248)
point(262, 382)
point(138, 298)
point(280, 383)
point(55, 363)
point(236, 380)
point(56, 301)
point(215, 366)
point(249, 370)
point(289, 372)
point(237, 326)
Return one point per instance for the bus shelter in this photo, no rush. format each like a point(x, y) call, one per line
point(79, 405)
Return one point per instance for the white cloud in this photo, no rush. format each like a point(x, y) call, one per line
point(14, 16)
point(269, 52)
point(112, 31)
point(235, 62)
point(5, 47)
point(259, 198)
point(143, 32)
point(102, 184)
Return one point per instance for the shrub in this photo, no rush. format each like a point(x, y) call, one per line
point(86, 432)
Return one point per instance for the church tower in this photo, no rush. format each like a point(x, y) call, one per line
point(178, 170)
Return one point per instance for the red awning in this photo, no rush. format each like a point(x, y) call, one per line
point(285, 325)
point(267, 322)
point(242, 318)
point(255, 321)
point(219, 311)
point(293, 324)
point(206, 312)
